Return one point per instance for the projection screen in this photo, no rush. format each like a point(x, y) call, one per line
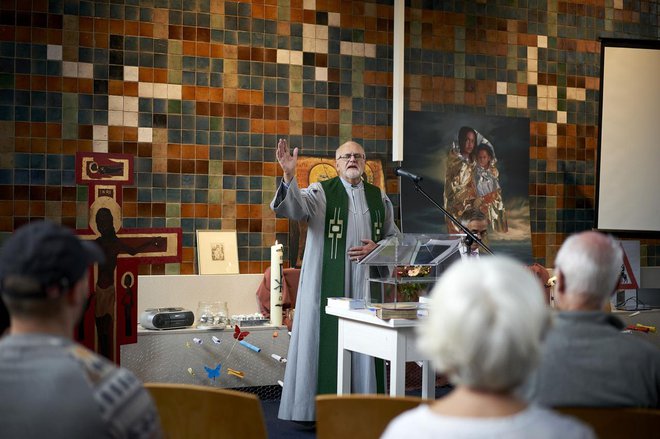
point(628, 172)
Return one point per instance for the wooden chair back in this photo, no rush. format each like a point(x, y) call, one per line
point(191, 411)
point(363, 416)
point(619, 422)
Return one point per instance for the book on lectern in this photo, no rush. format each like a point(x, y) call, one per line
point(345, 303)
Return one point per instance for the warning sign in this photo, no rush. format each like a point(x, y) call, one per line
point(629, 276)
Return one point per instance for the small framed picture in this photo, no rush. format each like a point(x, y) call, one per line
point(217, 252)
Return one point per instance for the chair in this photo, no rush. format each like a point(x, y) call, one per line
point(363, 416)
point(618, 422)
point(188, 411)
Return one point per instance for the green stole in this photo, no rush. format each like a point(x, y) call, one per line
point(333, 274)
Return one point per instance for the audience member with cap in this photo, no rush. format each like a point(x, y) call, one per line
point(51, 386)
point(484, 332)
point(586, 360)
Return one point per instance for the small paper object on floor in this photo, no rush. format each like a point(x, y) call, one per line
point(249, 346)
point(213, 373)
point(278, 358)
point(236, 373)
point(215, 340)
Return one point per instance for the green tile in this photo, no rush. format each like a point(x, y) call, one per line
point(283, 12)
point(217, 21)
point(174, 106)
point(82, 193)
point(70, 101)
point(345, 132)
point(174, 47)
point(269, 186)
point(172, 268)
point(215, 123)
point(69, 130)
point(295, 72)
point(215, 167)
point(345, 116)
point(215, 196)
point(6, 80)
point(172, 222)
point(172, 210)
point(215, 181)
point(295, 86)
point(174, 76)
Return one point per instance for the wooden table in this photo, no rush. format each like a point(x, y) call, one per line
point(392, 340)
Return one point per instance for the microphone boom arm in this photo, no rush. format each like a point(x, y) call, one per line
point(465, 230)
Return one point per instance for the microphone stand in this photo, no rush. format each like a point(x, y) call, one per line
point(470, 235)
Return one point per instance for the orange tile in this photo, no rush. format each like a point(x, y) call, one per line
point(201, 210)
point(189, 48)
point(85, 85)
point(54, 83)
point(130, 134)
point(187, 210)
point(188, 151)
point(129, 209)
point(242, 168)
point(282, 225)
point(38, 145)
point(130, 89)
point(203, 49)
point(201, 93)
point(54, 146)
point(131, 28)
point(146, 29)
point(255, 212)
point(217, 51)
point(115, 87)
point(242, 211)
point(116, 27)
point(160, 76)
point(146, 74)
point(186, 268)
point(215, 211)
point(215, 95)
point(188, 92)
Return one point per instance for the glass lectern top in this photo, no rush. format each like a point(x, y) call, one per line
point(413, 249)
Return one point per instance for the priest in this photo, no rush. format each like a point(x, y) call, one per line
point(346, 217)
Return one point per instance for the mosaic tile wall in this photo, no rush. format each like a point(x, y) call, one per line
point(199, 91)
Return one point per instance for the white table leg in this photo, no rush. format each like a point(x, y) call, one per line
point(428, 380)
point(398, 367)
point(343, 363)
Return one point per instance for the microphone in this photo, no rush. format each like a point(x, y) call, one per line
point(401, 173)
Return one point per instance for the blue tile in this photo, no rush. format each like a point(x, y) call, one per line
point(21, 160)
point(129, 223)
point(158, 195)
point(243, 197)
point(37, 176)
point(54, 177)
point(228, 182)
point(159, 180)
point(201, 181)
point(187, 196)
point(54, 161)
point(173, 195)
point(144, 195)
point(68, 178)
point(21, 176)
point(6, 176)
point(201, 196)
point(68, 161)
point(187, 180)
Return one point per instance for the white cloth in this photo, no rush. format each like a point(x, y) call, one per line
point(533, 422)
point(300, 377)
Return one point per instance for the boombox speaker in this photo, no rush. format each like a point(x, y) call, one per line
point(166, 318)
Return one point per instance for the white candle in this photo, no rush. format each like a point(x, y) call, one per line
point(276, 257)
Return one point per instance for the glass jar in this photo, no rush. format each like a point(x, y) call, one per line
point(212, 315)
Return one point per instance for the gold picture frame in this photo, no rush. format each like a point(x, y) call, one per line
point(217, 252)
